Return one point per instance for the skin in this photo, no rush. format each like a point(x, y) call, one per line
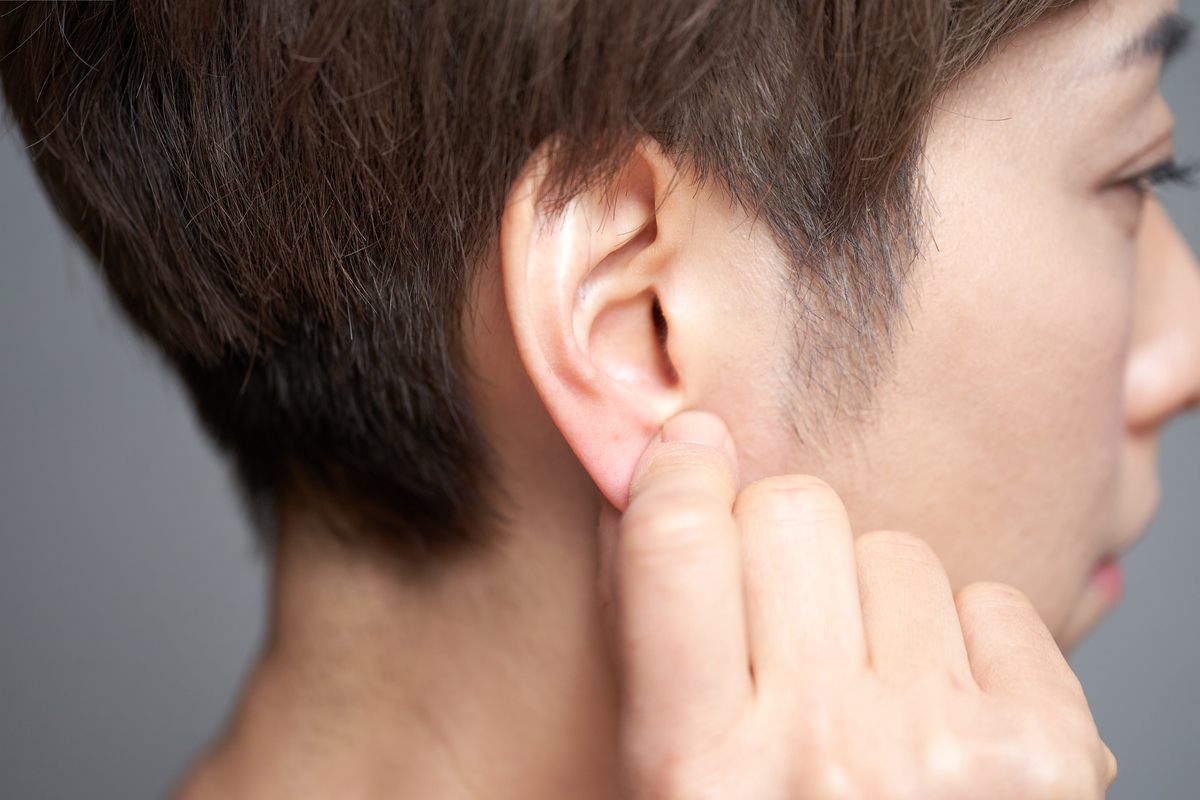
point(1035, 331)
point(1016, 428)
point(1051, 331)
point(804, 664)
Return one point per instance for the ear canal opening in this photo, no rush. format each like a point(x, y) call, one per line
point(660, 323)
point(660, 329)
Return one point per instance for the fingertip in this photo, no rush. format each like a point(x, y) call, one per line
point(1110, 766)
point(693, 450)
point(700, 427)
point(695, 427)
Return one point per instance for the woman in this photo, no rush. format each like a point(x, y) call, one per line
point(439, 326)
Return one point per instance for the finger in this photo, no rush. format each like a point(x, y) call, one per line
point(1011, 651)
point(678, 584)
point(909, 615)
point(1008, 645)
point(610, 523)
point(1014, 656)
point(802, 606)
point(1110, 766)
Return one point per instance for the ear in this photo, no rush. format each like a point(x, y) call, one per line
point(586, 288)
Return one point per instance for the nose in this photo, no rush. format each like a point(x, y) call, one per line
point(1163, 371)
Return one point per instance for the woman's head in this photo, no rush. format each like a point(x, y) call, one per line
point(1053, 322)
point(893, 244)
point(293, 203)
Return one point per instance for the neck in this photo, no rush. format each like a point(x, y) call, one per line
point(488, 677)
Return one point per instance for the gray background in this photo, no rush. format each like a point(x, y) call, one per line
point(131, 598)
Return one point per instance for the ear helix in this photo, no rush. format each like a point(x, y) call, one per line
point(589, 296)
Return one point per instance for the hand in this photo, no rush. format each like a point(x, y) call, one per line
point(767, 654)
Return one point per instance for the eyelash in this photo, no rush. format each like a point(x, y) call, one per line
point(1165, 174)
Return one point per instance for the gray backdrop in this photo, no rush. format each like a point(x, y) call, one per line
point(131, 598)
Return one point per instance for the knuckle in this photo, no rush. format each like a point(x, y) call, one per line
point(674, 773)
point(829, 781)
point(1036, 761)
point(1063, 777)
point(838, 781)
point(1110, 769)
point(953, 765)
point(1052, 761)
point(679, 784)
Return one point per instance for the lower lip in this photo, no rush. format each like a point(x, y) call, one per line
point(1109, 580)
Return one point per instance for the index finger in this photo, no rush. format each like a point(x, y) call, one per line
point(677, 572)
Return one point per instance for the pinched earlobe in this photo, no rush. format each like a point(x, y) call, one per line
point(583, 285)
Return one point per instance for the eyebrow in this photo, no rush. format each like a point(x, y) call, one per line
point(1166, 36)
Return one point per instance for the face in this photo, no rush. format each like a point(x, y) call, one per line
point(1052, 328)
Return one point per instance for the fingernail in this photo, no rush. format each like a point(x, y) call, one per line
point(695, 427)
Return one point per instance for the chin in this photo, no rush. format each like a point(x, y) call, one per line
point(1101, 594)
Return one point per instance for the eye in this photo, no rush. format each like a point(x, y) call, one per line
point(1165, 174)
point(1126, 196)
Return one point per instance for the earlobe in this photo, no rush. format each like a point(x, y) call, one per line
point(583, 285)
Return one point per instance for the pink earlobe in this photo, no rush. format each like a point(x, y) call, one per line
point(609, 441)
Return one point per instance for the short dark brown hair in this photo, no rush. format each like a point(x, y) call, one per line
point(291, 197)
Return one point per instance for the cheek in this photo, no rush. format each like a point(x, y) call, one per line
point(995, 434)
point(999, 437)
